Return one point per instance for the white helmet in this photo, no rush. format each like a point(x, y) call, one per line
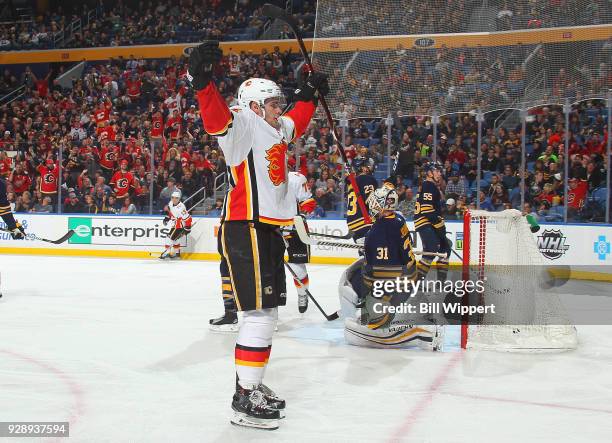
point(258, 90)
point(384, 198)
point(176, 194)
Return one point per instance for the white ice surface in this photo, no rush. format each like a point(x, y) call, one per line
point(121, 349)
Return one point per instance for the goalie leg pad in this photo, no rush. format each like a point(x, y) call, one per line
point(427, 337)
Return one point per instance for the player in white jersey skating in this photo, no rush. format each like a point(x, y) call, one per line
point(298, 251)
point(254, 139)
point(180, 222)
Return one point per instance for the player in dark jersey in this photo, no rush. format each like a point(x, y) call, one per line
point(367, 184)
point(429, 223)
point(388, 256)
point(388, 250)
point(15, 228)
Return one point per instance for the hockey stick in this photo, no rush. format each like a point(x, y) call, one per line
point(280, 14)
point(330, 317)
point(300, 226)
point(355, 246)
point(59, 241)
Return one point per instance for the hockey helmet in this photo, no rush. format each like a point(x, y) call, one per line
point(384, 198)
point(433, 166)
point(258, 90)
point(176, 194)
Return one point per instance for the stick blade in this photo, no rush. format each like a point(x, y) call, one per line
point(333, 316)
point(279, 13)
point(300, 227)
point(62, 239)
point(273, 11)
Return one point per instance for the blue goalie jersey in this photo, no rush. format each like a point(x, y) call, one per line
point(388, 249)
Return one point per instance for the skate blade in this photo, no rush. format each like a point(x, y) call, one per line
point(240, 419)
point(223, 329)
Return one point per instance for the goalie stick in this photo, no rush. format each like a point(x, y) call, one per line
point(280, 14)
point(330, 317)
point(308, 238)
point(59, 241)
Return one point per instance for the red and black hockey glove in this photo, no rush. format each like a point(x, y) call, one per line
point(311, 86)
point(202, 62)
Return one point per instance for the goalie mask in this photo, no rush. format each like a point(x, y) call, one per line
point(259, 90)
point(382, 199)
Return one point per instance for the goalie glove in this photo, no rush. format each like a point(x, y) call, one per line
point(309, 86)
point(202, 62)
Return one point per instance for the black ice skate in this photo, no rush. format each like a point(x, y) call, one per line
point(228, 322)
point(273, 400)
point(302, 303)
point(251, 409)
point(176, 256)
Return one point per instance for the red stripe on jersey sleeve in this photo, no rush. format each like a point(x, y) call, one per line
point(215, 114)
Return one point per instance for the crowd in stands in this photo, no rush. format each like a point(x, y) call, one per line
point(526, 14)
point(99, 139)
point(447, 80)
point(338, 18)
point(128, 131)
point(500, 185)
point(130, 22)
point(126, 23)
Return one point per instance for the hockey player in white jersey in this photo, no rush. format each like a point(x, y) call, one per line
point(297, 251)
point(180, 221)
point(254, 139)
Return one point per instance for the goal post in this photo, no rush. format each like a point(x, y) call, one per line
point(500, 251)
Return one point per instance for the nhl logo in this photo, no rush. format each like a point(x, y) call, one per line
point(552, 244)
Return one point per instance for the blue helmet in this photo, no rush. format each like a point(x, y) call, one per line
point(432, 166)
point(359, 163)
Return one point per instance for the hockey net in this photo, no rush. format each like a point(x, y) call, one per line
point(499, 249)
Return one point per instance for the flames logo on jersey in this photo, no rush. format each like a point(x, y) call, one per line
point(277, 166)
point(122, 183)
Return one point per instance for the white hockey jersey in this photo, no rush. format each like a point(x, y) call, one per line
point(256, 157)
point(299, 190)
point(179, 217)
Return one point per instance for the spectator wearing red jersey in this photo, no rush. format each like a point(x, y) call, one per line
point(6, 142)
point(122, 181)
point(48, 179)
point(42, 84)
point(576, 195)
point(6, 165)
point(133, 85)
point(107, 158)
point(20, 179)
point(102, 113)
point(157, 129)
point(174, 125)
